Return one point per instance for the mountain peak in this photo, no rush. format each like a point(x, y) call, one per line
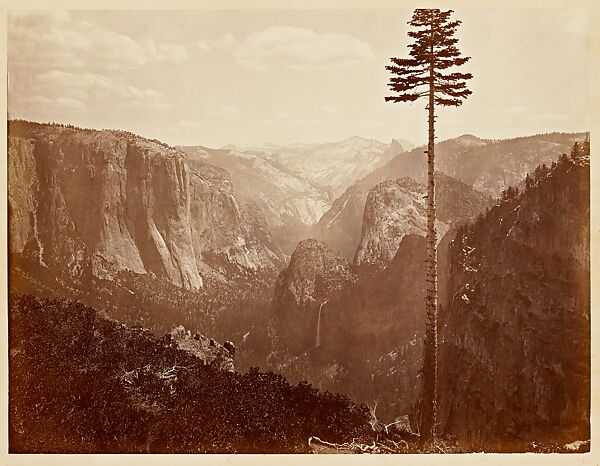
point(470, 140)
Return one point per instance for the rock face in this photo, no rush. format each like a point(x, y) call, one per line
point(341, 224)
point(360, 337)
point(515, 353)
point(109, 201)
point(487, 166)
point(396, 208)
point(314, 276)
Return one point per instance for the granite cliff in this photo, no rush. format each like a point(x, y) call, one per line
point(515, 327)
point(395, 208)
point(99, 202)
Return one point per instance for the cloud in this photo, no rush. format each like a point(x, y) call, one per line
point(329, 109)
point(42, 39)
point(37, 100)
point(45, 104)
point(576, 22)
point(69, 103)
point(203, 45)
point(300, 49)
point(225, 112)
point(225, 42)
point(75, 91)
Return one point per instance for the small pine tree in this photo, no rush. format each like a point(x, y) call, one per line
point(585, 146)
point(563, 159)
point(576, 151)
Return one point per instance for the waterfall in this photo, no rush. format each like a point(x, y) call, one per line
point(318, 339)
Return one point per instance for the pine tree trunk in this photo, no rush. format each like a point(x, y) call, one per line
point(428, 421)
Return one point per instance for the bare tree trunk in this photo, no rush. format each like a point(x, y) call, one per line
point(430, 352)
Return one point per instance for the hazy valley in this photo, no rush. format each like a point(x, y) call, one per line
point(157, 237)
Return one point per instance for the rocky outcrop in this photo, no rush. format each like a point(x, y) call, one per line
point(315, 275)
point(363, 338)
point(106, 201)
point(206, 349)
point(341, 224)
point(393, 209)
point(396, 208)
point(515, 328)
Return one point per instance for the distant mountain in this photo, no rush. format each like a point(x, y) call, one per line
point(100, 202)
point(335, 165)
point(487, 166)
point(294, 184)
point(284, 195)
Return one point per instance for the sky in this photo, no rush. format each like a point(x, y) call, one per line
point(218, 77)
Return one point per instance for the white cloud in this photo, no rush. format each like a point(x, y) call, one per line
point(69, 103)
point(46, 104)
point(78, 90)
point(225, 112)
point(42, 39)
point(226, 40)
point(301, 49)
point(329, 109)
point(576, 22)
point(37, 100)
point(202, 45)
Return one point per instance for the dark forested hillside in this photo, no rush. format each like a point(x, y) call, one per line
point(515, 352)
point(80, 382)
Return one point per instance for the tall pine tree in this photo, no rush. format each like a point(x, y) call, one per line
point(427, 74)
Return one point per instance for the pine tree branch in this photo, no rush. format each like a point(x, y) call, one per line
point(403, 98)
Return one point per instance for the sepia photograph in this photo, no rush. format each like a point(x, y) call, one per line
point(326, 230)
